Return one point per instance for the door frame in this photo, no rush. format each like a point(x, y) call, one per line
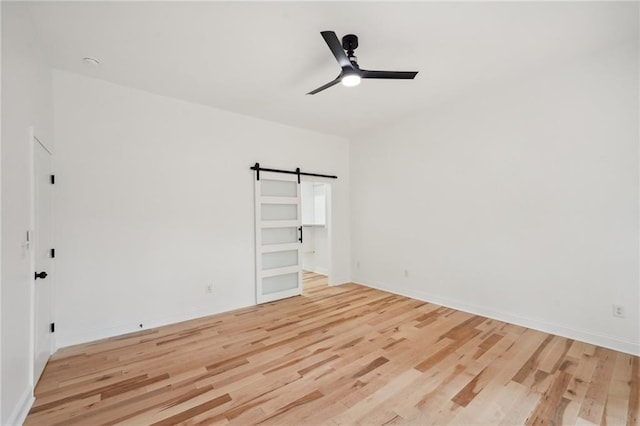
point(33, 145)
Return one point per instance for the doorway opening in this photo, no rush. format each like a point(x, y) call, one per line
point(316, 224)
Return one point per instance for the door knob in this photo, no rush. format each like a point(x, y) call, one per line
point(41, 275)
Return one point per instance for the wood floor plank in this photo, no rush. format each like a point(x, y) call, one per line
point(634, 395)
point(338, 355)
point(619, 391)
point(593, 404)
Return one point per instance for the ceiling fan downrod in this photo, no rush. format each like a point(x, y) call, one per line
point(350, 44)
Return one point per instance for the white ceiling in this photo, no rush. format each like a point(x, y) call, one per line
point(261, 58)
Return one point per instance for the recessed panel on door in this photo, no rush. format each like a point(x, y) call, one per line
point(278, 188)
point(280, 283)
point(286, 235)
point(279, 259)
point(279, 212)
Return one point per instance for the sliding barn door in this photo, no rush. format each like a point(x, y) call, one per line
point(278, 237)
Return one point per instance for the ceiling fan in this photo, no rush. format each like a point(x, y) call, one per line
point(351, 73)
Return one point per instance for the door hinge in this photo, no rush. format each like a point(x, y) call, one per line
point(53, 253)
point(53, 179)
point(52, 327)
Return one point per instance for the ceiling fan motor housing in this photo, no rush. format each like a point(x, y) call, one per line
point(350, 42)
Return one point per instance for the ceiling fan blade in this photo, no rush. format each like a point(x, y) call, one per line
point(336, 48)
point(399, 75)
point(326, 86)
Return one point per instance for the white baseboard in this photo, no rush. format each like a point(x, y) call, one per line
point(19, 413)
point(118, 330)
point(587, 336)
point(64, 340)
point(339, 281)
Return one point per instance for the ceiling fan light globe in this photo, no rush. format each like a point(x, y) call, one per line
point(350, 80)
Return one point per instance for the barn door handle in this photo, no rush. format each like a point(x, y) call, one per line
point(41, 275)
point(300, 229)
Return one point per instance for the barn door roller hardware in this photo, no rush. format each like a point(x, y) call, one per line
point(297, 171)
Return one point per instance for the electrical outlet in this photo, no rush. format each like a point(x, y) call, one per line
point(209, 288)
point(406, 273)
point(618, 311)
point(358, 264)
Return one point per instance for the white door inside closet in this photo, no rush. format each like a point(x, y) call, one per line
point(42, 259)
point(278, 237)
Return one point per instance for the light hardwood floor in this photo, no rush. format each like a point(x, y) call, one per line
point(339, 356)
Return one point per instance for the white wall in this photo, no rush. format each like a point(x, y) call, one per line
point(155, 202)
point(518, 203)
point(26, 102)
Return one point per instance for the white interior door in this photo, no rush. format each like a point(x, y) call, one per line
point(42, 245)
point(278, 237)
